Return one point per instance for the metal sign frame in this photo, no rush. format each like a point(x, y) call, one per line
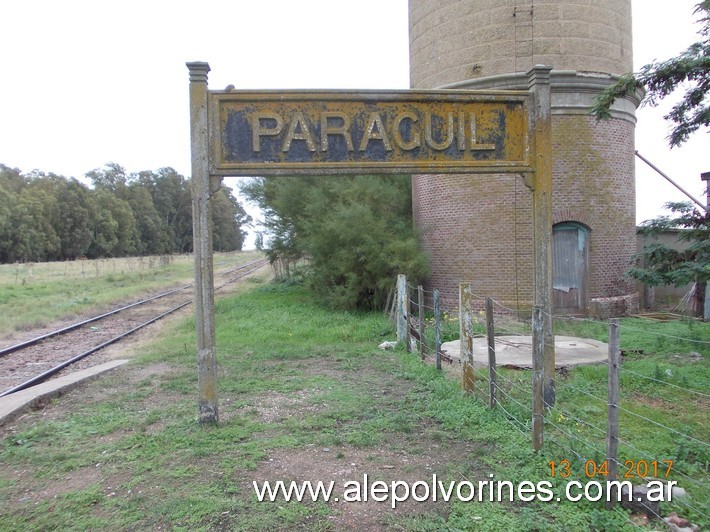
point(436, 132)
point(271, 133)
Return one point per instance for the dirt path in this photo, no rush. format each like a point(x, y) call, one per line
point(412, 449)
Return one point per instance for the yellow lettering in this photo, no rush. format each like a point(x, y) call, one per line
point(428, 136)
point(327, 128)
point(472, 131)
point(298, 122)
point(260, 130)
point(461, 137)
point(370, 133)
point(415, 137)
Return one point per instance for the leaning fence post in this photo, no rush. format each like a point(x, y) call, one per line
point(537, 377)
point(408, 307)
point(402, 308)
point(612, 420)
point(420, 309)
point(492, 369)
point(466, 335)
point(437, 332)
point(392, 308)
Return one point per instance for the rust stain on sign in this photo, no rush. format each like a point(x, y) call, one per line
point(318, 132)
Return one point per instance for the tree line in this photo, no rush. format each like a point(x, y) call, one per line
point(45, 216)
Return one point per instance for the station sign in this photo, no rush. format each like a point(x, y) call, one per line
point(282, 133)
point(334, 132)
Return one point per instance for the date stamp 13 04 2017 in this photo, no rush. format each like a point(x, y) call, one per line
point(628, 469)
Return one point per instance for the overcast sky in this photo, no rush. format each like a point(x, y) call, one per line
point(86, 82)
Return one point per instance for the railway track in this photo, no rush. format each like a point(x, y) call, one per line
point(38, 359)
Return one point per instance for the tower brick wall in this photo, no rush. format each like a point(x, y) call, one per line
point(593, 178)
point(479, 228)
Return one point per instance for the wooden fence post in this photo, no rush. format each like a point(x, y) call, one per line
point(492, 369)
point(612, 422)
point(420, 309)
point(392, 307)
point(537, 378)
point(466, 335)
point(402, 305)
point(409, 321)
point(437, 332)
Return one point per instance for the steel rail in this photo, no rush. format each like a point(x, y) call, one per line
point(56, 369)
point(74, 326)
point(79, 324)
point(262, 263)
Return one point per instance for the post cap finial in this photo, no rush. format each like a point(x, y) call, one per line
point(539, 74)
point(198, 70)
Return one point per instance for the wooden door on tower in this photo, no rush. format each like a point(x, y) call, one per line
point(570, 273)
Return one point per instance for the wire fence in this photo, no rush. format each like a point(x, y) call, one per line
point(661, 401)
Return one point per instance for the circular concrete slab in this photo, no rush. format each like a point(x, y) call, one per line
point(516, 351)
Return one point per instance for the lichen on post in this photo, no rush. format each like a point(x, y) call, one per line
point(202, 245)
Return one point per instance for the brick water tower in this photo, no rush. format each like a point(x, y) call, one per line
point(479, 228)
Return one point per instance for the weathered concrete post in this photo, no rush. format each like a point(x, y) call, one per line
point(202, 245)
point(468, 377)
point(538, 409)
point(402, 309)
point(541, 124)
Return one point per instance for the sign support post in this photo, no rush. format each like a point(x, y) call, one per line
point(541, 124)
point(202, 244)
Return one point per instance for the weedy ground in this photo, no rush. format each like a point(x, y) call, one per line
point(305, 394)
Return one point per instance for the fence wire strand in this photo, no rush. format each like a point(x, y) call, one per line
point(564, 413)
point(666, 383)
point(562, 386)
point(622, 409)
point(510, 390)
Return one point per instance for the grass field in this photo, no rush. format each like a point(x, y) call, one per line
point(34, 295)
point(305, 395)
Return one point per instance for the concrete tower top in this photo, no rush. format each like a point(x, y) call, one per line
point(452, 41)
